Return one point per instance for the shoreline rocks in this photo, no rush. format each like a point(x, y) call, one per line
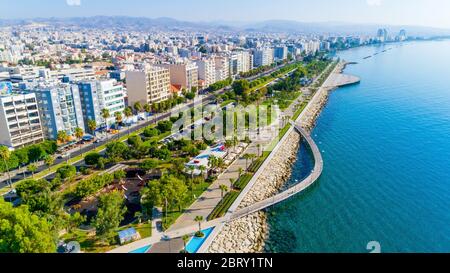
point(248, 234)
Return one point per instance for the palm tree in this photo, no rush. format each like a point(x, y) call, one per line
point(199, 220)
point(232, 181)
point(92, 125)
point(49, 160)
point(128, 112)
point(79, 133)
point(138, 107)
point(147, 108)
point(5, 154)
point(246, 157)
point(220, 163)
point(119, 118)
point(32, 168)
point(105, 115)
point(62, 136)
point(185, 239)
point(259, 148)
point(223, 189)
point(240, 171)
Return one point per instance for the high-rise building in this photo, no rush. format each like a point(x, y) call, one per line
point(402, 35)
point(184, 75)
point(241, 61)
point(280, 53)
point(149, 85)
point(382, 35)
point(59, 107)
point(99, 95)
point(222, 64)
point(207, 70)
point(262, 57)
point(20, 120)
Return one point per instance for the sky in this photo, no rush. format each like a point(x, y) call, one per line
point(433, 13)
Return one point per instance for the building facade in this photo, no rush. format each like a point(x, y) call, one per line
point(263, 57)
point(20, 120)
point(59, 107)
point(183, 75)
point(207, 71)
point(99, 95)
point(148, 85)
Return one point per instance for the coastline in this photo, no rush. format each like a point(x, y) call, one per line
point(249, 234)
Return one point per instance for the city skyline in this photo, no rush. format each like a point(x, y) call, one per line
point(384, 12)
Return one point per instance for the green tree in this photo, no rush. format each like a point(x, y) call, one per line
point(147, 108)
point(79, 133)
point(116, 151)
point(75, 220)
point(92, 158)
point(32, 168)
point(149, 164)
point(199, 220)
point(128, 112)
point(5, 155)
point(67, 172)
point(105, 115)
point(92, 125)
point(185, 241)
point(62, 136)
point(111, 210)
point(223, 189)
point(49, 160)
point(138, 107)
point(23, 232)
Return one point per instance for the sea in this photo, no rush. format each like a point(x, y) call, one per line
point(386, 149)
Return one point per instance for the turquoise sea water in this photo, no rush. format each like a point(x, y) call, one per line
point(386, 148)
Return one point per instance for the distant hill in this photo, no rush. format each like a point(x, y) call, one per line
point(271, 26)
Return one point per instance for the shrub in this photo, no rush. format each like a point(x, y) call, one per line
point(91, 159)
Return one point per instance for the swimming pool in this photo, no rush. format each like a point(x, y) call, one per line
point(195, 243)
point(142, 249)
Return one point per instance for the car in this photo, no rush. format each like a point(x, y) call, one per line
point(97, 141)
point(62, 156)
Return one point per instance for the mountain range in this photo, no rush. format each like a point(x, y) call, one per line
point(270, 26)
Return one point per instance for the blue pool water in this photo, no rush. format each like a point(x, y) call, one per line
point(195, 243)
point(386, 151)
point(142, 249)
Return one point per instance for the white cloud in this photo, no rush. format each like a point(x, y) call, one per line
point(73, 2)
point(374, 2)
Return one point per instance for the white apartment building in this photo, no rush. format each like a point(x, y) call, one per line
point(184, 75)
point(98, 95)
point(222, 64)
point(149, 85)
point(20, 121)
point(207, 70)
point(241, 61)
point(263, 57)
